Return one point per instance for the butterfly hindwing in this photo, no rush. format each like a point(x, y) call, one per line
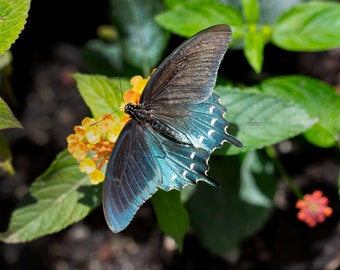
point(183, 165)
point(189, 73)
point(202, 124)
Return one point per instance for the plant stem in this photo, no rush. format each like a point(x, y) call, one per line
point(271, 152)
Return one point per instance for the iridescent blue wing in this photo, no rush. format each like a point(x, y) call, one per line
point(188, 74)
point(142, 161)
point(132, 175)
point(202, 124)
point(182, 165)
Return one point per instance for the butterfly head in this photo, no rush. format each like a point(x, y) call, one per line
point(130, 108)
point(136, 112)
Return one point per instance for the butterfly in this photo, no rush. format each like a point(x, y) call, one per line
point(172, 131)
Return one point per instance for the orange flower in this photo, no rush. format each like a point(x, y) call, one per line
point(93, 141)
point(313, 208)
point(138, 84)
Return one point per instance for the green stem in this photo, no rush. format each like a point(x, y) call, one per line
point(271, 152)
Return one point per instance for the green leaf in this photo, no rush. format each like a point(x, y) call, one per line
point(188, 18)
point(7, 119)
point(318, 99)
point(254, 46)
point(5, 156)
point(59, 197)
point(187, 192)
point(251, 10)
point(101, 94)
point(5, 59)
point(143, 40)
point(172, 3)
point(271, 10)
point(13, 16)
point(219, 217)
point(257, 174)
point(260, 119)
point(172, 216)
point(311, 26)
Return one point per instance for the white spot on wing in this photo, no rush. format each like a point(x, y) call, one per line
point(210, 132)
point(201, 139)
point(192, 155)
point(173, 177)
point(211, 109)
point(213, 121)
point(185, 173)
point(192, 166)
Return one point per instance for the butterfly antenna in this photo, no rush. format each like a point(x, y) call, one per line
point(121, 90)
point(106, 116)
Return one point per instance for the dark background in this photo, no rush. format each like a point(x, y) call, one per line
point(48, 105)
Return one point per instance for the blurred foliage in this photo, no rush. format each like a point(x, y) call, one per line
point(13, 16)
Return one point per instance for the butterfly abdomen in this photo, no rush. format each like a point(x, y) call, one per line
point(168, 131)
point(138, 113)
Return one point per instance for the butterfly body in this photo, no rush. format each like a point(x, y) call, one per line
point(145, 117)
point(172, 131)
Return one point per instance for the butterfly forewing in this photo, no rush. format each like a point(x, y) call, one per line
point(188, 74)
point(132, 175)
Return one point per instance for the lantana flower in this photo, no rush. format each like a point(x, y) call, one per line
point(93, 141)
point(314, 208)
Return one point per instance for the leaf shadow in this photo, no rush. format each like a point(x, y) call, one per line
point(27, 200)
point(92, 195)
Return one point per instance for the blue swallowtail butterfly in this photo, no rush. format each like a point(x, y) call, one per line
point(172, 131)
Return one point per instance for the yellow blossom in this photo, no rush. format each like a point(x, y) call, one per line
point(93, 141)
point(96, 177)
point(107, 123)
point(87, 166)
point(138, 84)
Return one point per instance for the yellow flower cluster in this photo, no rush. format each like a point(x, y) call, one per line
point(138, 83)
point(93, 141)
